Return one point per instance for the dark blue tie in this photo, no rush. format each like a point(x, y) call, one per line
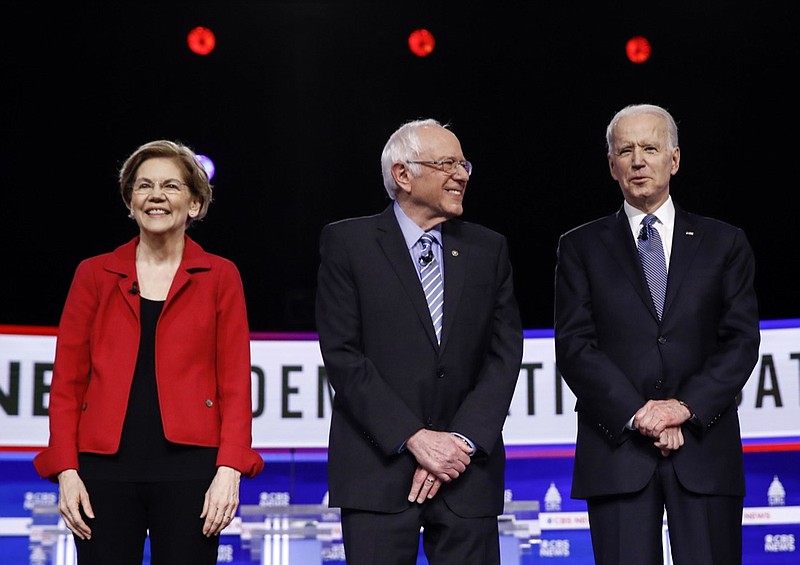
point(651, 252)
point(431, 276)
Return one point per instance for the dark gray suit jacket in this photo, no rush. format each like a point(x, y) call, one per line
point(391, 378)
point(615, 355)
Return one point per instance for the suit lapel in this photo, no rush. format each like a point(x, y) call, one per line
point(685, 243)
point(123, 262)
point(455, 253)
point(390, 238)
point(619, 242)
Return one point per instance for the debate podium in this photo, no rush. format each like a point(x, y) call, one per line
point(310, 534)
point(291, 534)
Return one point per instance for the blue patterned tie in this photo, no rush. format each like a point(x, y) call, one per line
point(432, 285)
point(651, 252)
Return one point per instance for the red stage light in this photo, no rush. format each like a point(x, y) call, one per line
point(638, 49)
point(201, 40)
point(421, 42)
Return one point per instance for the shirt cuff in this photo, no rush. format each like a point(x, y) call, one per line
point(467, 441)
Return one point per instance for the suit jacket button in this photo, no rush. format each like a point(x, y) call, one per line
point(662, 340)
point(84, 406)
point(209, 403)
point(440, 373)
point(658, 384)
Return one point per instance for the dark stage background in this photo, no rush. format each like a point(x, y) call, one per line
point(298, 98)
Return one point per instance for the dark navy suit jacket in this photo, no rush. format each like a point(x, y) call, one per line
point(391, 378)
point(615, 354)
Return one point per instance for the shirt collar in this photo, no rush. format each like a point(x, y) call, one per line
point(411, 231)
point(665, 213)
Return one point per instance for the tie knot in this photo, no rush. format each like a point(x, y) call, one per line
point(426, 253)
point(427, 239)
point(647, 227)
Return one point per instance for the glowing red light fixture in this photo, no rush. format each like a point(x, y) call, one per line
point(421, 42)
point(638, 49)
point(201, 40)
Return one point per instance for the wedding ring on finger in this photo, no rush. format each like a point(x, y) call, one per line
point(430, 480)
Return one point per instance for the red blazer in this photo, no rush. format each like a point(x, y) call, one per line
point(202, 361)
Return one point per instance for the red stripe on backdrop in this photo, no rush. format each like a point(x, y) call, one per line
point(28, 330)
point(512, 451)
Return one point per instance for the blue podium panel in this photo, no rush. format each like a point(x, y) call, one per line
point(773, 478)
point(772, 545)
point(565, 539)
point(771, 535)
point(21, 488)
point(230, 550)
point(15, 549)
point(289, 477)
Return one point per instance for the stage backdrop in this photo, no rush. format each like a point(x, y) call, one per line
point(292, 398)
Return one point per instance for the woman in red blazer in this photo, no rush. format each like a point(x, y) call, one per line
point(150, 408)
